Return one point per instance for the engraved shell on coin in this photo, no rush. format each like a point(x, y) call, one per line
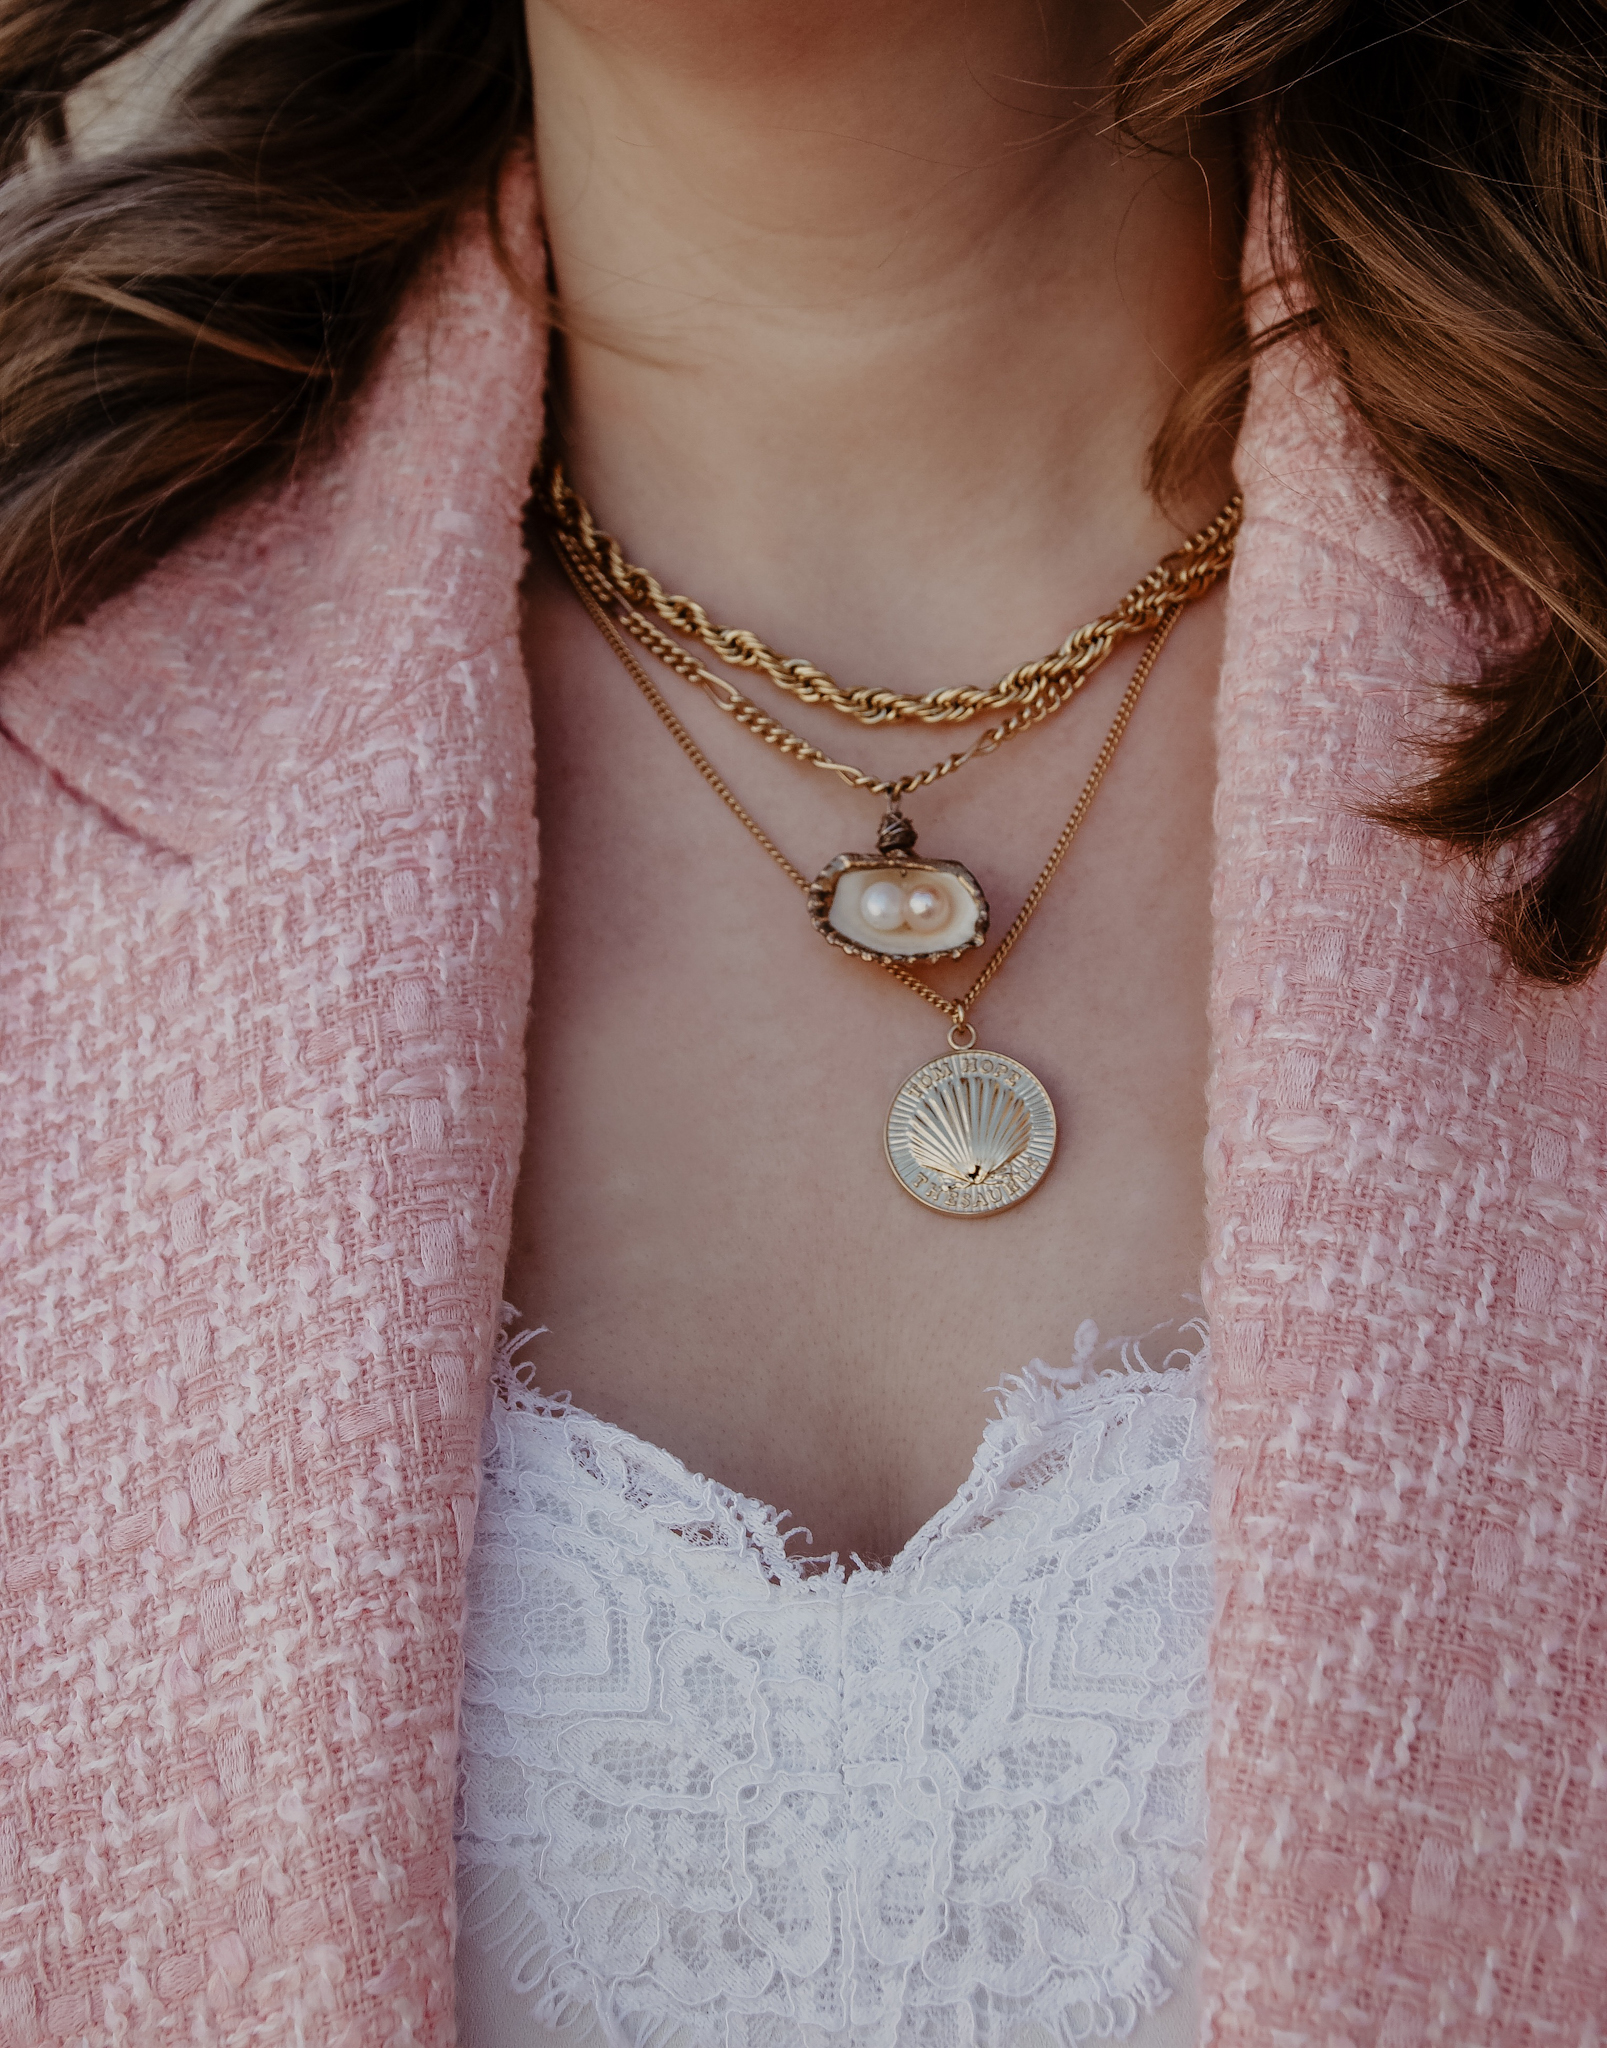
point(898, 907)
point(971, 1133)
point(968, 1127)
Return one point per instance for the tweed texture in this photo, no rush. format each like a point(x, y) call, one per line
point(268, 858)
point(1408, 1785)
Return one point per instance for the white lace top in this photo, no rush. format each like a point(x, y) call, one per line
point(718, 1796)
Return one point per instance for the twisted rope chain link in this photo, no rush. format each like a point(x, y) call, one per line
point(627, 590)
point(757, 721)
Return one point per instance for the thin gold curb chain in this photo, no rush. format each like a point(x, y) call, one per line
point(955, 1011)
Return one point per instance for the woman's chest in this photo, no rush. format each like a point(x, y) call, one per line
point(706, 1219)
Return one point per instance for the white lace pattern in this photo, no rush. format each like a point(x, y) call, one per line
point(719, 1796)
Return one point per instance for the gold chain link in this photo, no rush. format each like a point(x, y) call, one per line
point(1185, 574)
point(752, 718)
point(683, 739)
point(955, 1011)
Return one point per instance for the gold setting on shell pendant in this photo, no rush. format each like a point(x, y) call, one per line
point(893, 905)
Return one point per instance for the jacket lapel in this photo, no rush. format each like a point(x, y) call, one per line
point(272, 854)
point(1407, 1292)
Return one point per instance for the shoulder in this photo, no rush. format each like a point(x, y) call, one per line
point(264, 640)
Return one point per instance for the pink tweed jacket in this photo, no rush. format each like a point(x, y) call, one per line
point(268, 864)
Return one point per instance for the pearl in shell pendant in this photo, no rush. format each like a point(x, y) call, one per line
point(893, 905)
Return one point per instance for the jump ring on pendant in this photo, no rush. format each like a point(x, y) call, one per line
point(956, 1042)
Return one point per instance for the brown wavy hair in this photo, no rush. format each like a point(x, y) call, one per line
point(182, 316)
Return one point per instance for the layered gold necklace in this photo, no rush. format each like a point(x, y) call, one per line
point(973, 1131)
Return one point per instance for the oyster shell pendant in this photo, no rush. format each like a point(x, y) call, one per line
point(971, 1133)
point(892, 905)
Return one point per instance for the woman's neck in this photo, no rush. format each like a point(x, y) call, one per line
point(869, 322)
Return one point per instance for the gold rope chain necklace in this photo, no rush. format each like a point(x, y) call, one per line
point(1188, 572)
point(758, 722)
point(973, 1131)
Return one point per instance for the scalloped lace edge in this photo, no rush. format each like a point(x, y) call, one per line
point(719, 1517)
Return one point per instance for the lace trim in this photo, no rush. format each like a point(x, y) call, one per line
point(718, 1796)
point(711, 1516)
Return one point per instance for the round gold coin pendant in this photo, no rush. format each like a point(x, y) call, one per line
point(971, 1133)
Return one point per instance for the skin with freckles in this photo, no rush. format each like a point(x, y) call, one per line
point(868, 324)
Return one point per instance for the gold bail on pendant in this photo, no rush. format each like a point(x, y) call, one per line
point(962, 1036)
point(895, 834)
